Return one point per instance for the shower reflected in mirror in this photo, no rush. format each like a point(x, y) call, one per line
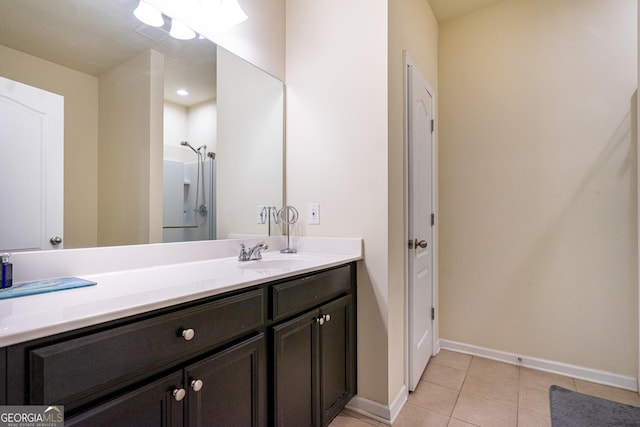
point(189, 196)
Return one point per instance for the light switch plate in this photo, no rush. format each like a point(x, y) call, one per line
point(314, 213)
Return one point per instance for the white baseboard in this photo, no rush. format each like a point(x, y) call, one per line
point(579, 372)
point(377, 411)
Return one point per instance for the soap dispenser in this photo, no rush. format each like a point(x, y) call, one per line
point(6, 279)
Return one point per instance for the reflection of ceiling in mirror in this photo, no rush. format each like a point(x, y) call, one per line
point(449, 9)
point(94, 36)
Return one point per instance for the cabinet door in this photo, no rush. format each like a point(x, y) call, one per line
point(229, 388)
point(296, 372)
point(153, 405)
point(337, 356)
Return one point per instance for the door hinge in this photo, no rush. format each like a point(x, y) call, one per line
point(433, 125)
point(433, 313)
point(433, 219)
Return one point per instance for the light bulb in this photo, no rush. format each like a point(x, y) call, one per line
point(181, 31)
point(232, 13)
point(148, 14)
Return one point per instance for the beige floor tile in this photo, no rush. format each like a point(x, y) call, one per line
point(534, 400)
point(544, 380)
point(363, 418)
point(458, 423)
point(503, 391)
point(346, 421)
point(434, 397)
point(610, 393)
point(444, 376)
point(416, 416)
point(452, 359)
point(529, 419)
point(485, 412)
point(494, 369)
point(487, 394)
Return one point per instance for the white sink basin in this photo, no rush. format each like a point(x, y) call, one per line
point(279, 262)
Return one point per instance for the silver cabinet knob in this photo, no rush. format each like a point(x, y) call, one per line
point(196, 385)
point(55, 240)
point(323, 319)
point(188, 334)
point(179, 394)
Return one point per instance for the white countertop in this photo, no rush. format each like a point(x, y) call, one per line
point(127, 292)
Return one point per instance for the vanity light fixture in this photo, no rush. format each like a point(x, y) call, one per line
point(180, 31)
point(148, 14)
point(232, 13)
point(221, 14)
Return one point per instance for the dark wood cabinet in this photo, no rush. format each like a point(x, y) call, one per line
point(314, 365)
point(79, 370)
point(152, 405)
point(337, 357)
point(229, 389)
point(296, 373)
point(226, 389)
point(280, 353)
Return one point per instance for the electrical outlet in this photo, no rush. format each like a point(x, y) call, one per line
point(314, 213)
point(261, 214)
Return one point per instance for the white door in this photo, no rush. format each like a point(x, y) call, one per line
point(420, 254)
point(31, 167)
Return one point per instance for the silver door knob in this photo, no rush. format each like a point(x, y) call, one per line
point(55, 240)
point(422, 243)
point(320, 320)
point(179, 394)
point(188, 334)
point(327, 317)
point(196, 385)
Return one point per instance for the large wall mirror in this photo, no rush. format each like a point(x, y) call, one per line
point(164, 139)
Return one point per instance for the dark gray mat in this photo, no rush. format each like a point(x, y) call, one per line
point(573, 409)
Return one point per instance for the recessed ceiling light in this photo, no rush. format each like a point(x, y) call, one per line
point(182, 92)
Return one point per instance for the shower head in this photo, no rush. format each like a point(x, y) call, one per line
point(197, 151)
point(186, 144)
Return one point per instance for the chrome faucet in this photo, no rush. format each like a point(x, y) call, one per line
point(253, 253)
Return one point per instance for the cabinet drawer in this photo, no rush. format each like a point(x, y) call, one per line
point(294, 296)
point(102, 362)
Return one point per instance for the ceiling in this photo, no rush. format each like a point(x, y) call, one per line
point(95, 36)
point(445, 10)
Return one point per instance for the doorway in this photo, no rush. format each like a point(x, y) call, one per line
point(421, 249)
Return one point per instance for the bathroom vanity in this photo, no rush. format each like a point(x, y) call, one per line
point(276, 351)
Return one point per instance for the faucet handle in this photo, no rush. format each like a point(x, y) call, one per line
point(243, 253)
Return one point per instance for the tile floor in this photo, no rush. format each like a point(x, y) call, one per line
point(458, 390)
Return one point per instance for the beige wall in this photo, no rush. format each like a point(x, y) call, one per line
point(537, 181)
point(203, 125)
point(337, 151)
point(196, 124)
point(130, 151)
point(80, 93)
point(412, 28)
point(345, 150)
